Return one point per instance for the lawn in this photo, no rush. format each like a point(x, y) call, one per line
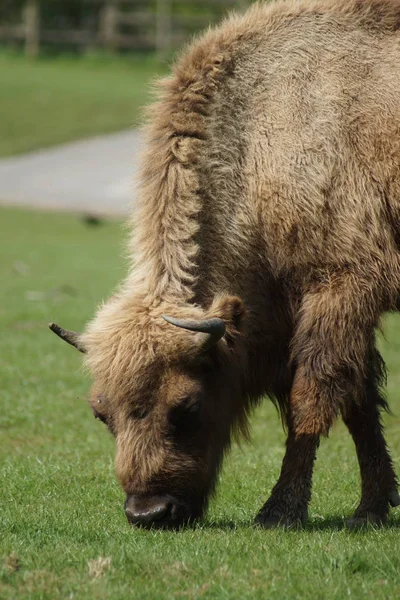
point(63, 533)
point(53, 100)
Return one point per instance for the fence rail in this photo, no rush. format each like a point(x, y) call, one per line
point(116, 24)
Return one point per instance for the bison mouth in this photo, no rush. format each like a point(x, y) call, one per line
point(159, 512)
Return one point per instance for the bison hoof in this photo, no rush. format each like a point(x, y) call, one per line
point(269, 518)
point(365, 521)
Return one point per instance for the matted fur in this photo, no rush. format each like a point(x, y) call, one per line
point(269, 197)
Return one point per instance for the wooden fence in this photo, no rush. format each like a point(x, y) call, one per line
point(117, 25)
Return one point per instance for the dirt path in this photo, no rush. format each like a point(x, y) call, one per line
point(93, 176)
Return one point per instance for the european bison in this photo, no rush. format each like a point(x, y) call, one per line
point(265, 249)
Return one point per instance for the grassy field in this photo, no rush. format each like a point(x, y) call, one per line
point(63, 533)
point(55, 100)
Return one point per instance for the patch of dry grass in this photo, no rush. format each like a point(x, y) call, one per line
point(99, 566)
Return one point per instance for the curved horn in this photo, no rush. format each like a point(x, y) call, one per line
point(68, 336)
point(215, 328)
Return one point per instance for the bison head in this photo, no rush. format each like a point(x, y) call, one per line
point(168, 386)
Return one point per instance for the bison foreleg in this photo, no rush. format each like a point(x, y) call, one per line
point(330, 348)
point(288, 504)
point(378, 479)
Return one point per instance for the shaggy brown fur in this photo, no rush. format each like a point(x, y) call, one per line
point(270, 197)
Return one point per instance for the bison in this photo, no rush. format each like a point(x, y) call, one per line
point(265, 249)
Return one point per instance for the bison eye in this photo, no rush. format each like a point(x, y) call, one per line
point(185, 416)
point(191, 405)
point(139, 412)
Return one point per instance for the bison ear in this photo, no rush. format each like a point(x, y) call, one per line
point(232, 310)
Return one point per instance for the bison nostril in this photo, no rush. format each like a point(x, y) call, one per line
point(145, 514)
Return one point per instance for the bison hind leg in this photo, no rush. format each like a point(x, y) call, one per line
point(394, 498)
point(378, 479)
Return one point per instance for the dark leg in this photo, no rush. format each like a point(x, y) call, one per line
point(288, 504)
point(378, 479)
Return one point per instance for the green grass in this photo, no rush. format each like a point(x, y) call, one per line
point(60, 505)
point(54, 100)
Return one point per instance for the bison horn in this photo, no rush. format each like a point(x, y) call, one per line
point(215, 328)
point(68, 336)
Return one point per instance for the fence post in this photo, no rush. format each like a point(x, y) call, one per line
point(31, 19)
point(163, 26)
point(108, 25)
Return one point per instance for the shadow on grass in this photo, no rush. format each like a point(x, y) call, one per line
point(227, 525)
point(330, 523)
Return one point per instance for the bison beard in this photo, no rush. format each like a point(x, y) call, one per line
point(264, 252)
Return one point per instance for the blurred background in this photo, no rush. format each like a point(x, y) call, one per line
point(114, 25)
point(77, 70)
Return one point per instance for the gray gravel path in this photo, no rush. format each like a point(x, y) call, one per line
point(94, 176)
